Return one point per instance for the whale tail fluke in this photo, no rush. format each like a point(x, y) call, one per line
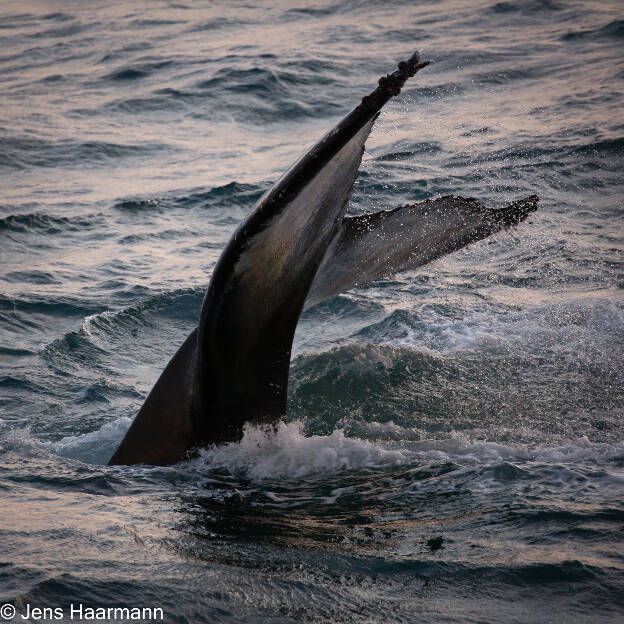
point(376, 245)
point(295, 249)
point(234, 368)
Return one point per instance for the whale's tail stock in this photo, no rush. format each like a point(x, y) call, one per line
point(294, 250)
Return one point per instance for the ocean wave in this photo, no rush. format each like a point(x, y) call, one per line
point(33, 276)
point(405, 151)
point(143, 22)
point(87, 449)
point(70, 28)
point(48, 224)
point(124, 51)
point(103, 331)
point(613, 30)
point(162, 102)
point(607, 147)
point(226, 196)
point(442, 329)
point(529, 7)
point(180, 303)
point(15, 352)
point(264, 453)
point(520, 153)
point(287, 455)
point(367, 382)
point(243, 93)
point(139, 69)
point(440, 369)
point(16, 20)
point(62, 307)
point(256, 81)
point(504, 76)
point(237, 193)
point(20, 382)
point(443, 90)
point(463, 449)
point(162, 235)
point(217, 23)
point(140, 205)
point(22, 152)
point(93, 447)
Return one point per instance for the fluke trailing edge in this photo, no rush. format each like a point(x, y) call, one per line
point(294, 250)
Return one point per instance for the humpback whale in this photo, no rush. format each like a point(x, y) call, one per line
point(295, 249)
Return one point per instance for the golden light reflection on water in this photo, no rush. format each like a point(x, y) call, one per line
point(205, 153)
point(80, 530)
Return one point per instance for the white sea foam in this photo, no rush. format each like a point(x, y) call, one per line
point(109, 432)
point(462, 449)
point(288, 453)
point(263, 454)
point(558, 326)
point(17, 437)
point(266, 454)
point(94, 447)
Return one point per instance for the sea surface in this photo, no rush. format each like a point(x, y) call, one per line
point(453, 449)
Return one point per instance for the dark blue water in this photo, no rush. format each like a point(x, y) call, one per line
point(454, 446)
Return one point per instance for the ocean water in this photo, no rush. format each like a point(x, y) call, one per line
point(454, 444)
